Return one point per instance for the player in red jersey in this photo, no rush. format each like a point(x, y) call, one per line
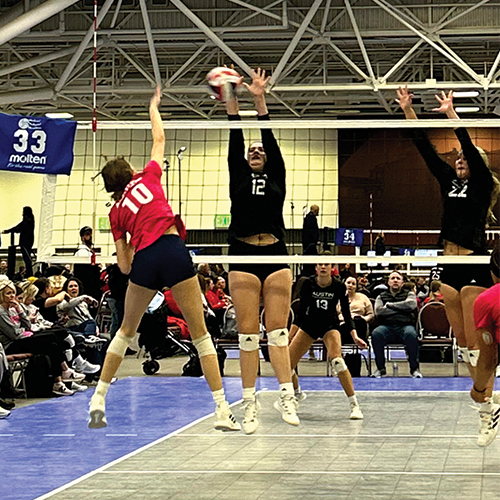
point(487, 322)
point(156, 257)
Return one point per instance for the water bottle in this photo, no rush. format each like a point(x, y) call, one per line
point(395, 370)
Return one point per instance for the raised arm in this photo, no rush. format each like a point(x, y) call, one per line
point(405, 101)
point(439, 168)
point(273, 152)
point(446, 105)
point(236, 153)
point(158, 149)
point(258, 90)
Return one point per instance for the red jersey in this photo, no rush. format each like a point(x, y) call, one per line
point(143, 211)
point(487, 311)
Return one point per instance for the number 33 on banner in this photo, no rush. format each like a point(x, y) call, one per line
point(23, 135)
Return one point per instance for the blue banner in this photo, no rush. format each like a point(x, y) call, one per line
point(349, 237)
point(36, 144)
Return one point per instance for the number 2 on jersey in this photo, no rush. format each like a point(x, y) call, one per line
point(141, 194)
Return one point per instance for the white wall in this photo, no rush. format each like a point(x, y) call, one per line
point(310, 158)
point(17, 190)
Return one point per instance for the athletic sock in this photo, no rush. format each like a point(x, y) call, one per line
point(219, 396)
point(248, 393)
point(353, 400)
point(102, 388)
point(287, 389)
point(97, 401)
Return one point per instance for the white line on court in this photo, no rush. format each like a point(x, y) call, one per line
point(338, 436)
point(6, 435)
point(121, 435)
point(306, 472)
point(125, 457)
point(58, 435)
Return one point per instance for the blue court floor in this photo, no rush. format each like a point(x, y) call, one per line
point(48, 445)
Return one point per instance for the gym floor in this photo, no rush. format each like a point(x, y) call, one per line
point(417, 441)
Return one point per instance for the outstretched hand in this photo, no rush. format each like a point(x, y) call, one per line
point(405, 98)
point(445, 101)
point(259, 82)
point(156, 99)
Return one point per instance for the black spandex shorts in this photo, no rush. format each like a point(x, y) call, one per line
point(166, 262)
point(262, 271)
point(316, 331)
point(459, 275)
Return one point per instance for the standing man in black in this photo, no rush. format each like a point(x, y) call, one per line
point(310, 238)
point(89, 274)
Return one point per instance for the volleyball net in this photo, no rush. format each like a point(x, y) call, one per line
point(362, 174)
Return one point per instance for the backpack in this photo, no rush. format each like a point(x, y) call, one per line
point(353, 362)
point(193, 366)
point(38, 376)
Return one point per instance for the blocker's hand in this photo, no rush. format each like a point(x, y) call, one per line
point(445, 101)
point(405, 97)
point(259, 82)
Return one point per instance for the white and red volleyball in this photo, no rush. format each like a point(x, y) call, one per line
point(218, 78)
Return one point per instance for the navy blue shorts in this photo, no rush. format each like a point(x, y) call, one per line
point(162, 264)
point(262, 271)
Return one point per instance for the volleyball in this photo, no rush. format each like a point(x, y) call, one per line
point(218, 78)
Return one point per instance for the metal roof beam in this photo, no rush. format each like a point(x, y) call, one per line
point(295, 40)
point(212, 36)
point(82, 46)
point(33, 17)
point(151, 42)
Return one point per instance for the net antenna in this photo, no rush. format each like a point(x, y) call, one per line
point(94, 121)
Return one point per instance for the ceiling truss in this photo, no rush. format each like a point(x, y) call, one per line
point(327, 58)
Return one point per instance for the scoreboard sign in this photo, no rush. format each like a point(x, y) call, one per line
point(36, 144)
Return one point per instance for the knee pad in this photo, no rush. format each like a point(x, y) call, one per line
point(473, 356)
point(119, 345)
point(249, 341)
point(465, 354)
point(70, 340)
point(338, 365)
point(204, 345)
point(278, 338)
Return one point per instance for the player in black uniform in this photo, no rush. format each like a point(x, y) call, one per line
point(257, 190)
point(318, 319)
point(469, 190)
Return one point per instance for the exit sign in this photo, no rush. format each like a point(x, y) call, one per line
point(222, 221)
point(104, 224)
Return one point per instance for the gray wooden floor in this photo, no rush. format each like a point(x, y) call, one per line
point(410, 446)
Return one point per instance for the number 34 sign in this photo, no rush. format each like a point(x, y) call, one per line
point(35, 144)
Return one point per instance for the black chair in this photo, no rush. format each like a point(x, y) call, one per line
point(434, 331)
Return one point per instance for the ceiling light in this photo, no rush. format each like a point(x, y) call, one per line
point(247, 112)
point(467, 109)
point(466, 93)
point(59, 115)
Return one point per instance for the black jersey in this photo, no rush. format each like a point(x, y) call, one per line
point(465, 203)
point(256, 198)
point(318, 307)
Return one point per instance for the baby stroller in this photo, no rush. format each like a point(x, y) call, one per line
point(158, 339)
